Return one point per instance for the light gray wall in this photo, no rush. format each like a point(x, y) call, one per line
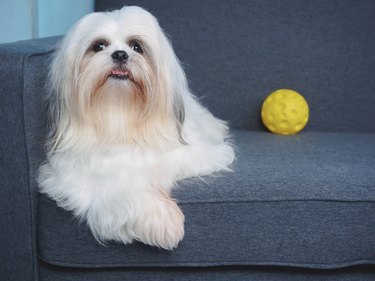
point(27, 19)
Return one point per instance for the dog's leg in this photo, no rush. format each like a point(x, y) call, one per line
point(199, 160)
point(160, 223)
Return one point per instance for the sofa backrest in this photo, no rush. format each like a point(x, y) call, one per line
point(235, 52)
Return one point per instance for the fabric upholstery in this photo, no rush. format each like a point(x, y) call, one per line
point(236, 52)
point(306, 201)
point(206, 274)
point(22, 134)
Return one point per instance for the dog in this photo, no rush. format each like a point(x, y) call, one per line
point(125, 128)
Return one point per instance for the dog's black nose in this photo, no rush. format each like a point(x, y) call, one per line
point(119, 56)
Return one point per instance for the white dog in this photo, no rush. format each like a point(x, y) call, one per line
point(125, 128)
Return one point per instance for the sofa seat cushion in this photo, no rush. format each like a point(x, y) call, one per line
point(306, 200)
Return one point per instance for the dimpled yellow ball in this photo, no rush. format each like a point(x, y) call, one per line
point(285, 112)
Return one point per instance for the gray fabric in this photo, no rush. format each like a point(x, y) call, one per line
point(308, 166)
point(14, 198)
point(49, 273)
point(236, 52)
point(291, 201)
point(318, 197)
point(18, 123)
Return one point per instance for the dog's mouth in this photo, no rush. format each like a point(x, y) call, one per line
point(121, 74)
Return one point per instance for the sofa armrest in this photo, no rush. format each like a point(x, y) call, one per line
point(23, 68)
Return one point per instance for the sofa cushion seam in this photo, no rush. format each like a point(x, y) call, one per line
point(274, 201)
point(32, 207)
point(245, 262)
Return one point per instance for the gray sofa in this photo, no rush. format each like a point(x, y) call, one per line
point(295, 208)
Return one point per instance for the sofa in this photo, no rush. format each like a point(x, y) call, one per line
point(298, 207)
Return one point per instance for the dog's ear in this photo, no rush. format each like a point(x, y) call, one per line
point(179, 114)
point(175, 83)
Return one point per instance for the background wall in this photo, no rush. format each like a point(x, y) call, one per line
point(27, 19)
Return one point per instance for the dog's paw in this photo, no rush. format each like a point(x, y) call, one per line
point(161, 224)
point(225, 153)
point(219, 158)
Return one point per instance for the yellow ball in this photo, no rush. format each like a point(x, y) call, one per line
point(285, 112)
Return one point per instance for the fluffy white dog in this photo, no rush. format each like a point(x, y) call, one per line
point(125, 128)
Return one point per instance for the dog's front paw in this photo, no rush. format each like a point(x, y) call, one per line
point(161, 223)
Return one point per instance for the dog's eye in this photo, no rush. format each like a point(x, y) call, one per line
point(99, 46)
point(136, 47)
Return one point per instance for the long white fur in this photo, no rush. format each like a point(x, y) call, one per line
point(115, 149)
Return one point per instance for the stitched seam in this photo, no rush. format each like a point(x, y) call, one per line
point(213, 263)
point(33, 226)
point(275, 201)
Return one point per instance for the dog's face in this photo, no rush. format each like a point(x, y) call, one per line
point(120, 54)
point(117, 73)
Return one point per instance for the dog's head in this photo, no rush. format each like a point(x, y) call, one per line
point(115, 77)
